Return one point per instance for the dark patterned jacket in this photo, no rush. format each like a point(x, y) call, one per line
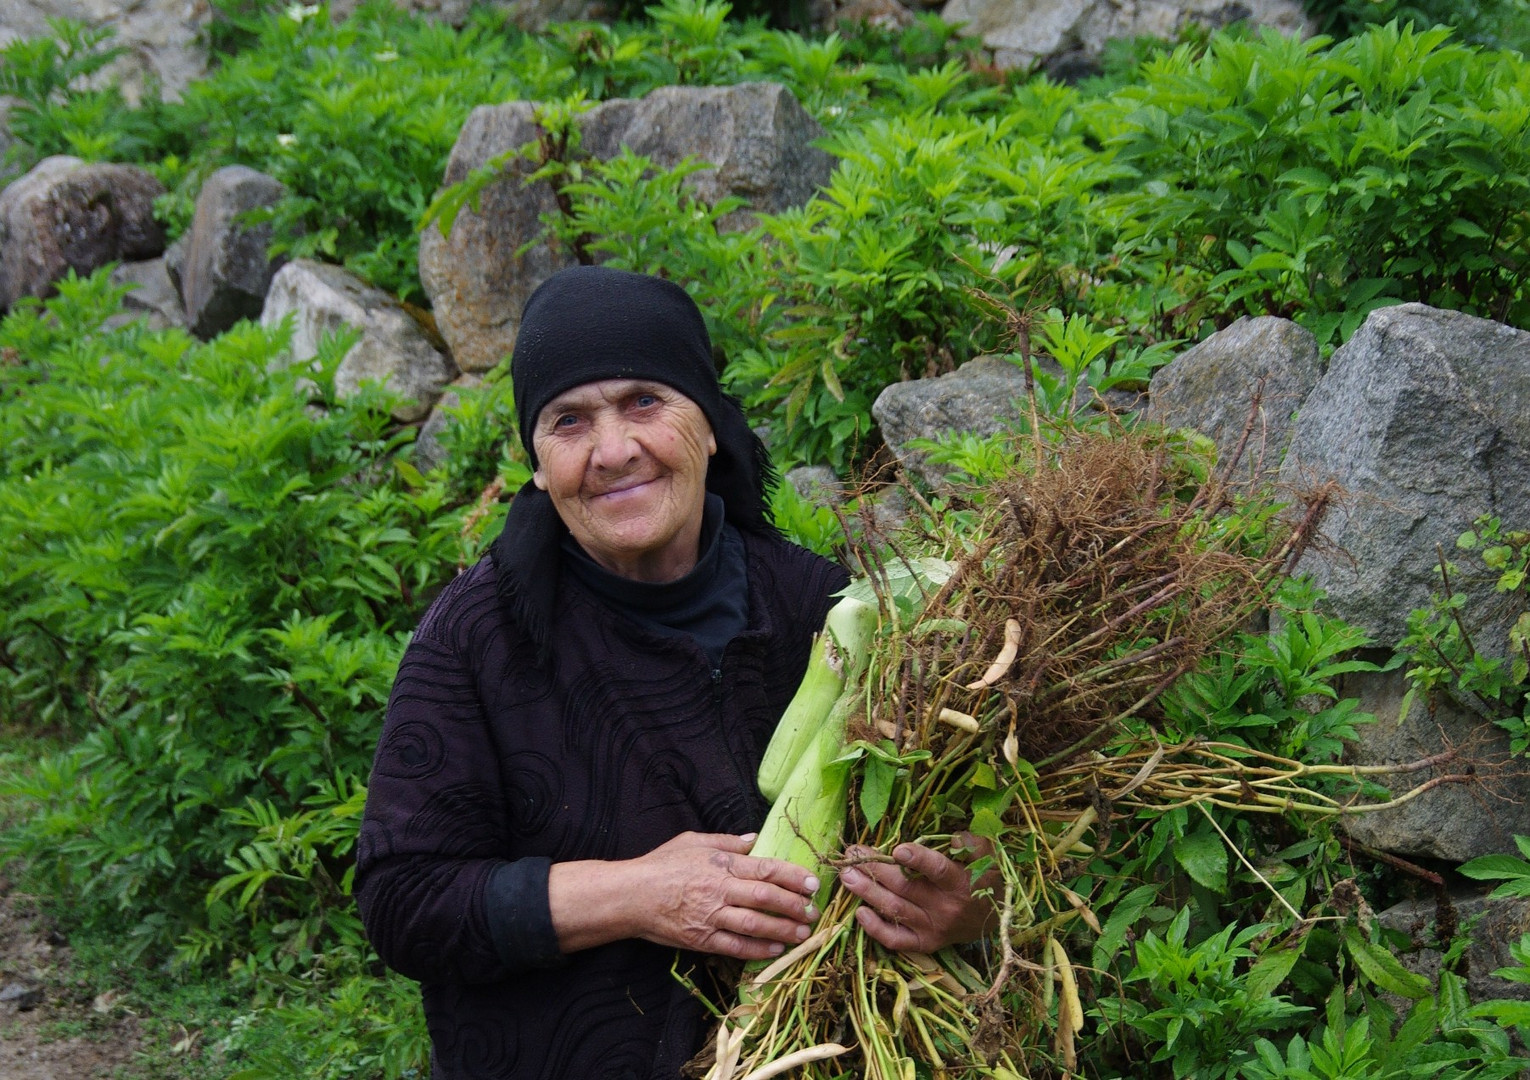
point(624, 740)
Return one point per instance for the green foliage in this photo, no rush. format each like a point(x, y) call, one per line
point(217, 614)
point(1440, 1037)
point(60, 109)
point(1321, 180)
point(815, 527)
point(1446, 646)
point(361, 140)
point(1189, 1004)
point(1275, 689)
point(1252, 959)
point(1494, 24)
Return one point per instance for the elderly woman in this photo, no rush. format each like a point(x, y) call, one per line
point(562, 803)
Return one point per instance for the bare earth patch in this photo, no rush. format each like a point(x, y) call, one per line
point(52, 1026)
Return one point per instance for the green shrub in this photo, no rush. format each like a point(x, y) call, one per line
point(209, 579)
point(1319, 181)
point(1495, 24)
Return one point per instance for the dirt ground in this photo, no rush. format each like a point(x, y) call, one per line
point(53, 1026)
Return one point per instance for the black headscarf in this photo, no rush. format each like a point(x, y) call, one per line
point(589, 323)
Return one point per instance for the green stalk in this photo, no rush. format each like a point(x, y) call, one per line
point(838, 657)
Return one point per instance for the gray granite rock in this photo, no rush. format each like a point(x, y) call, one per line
point(161, 39)
point(153, 297)
point(1454, 821)
point(882, 14)
point(816, 484)
point(756, 136)
point(1026, 32)
point(224, 271)
point(1211, 388)
point(1423, 419)
point(478, 279)
point(393, 349)
point(1492, 925)
point(429, 453)
point(979, 398)
point(66, 215)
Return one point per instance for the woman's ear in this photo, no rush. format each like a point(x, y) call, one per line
point(539, 480)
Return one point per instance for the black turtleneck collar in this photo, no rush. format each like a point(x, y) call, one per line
point(710, 603)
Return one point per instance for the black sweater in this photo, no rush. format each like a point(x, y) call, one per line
point(624, 739)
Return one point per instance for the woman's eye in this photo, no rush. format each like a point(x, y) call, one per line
point(646, 401)
point(566, 420)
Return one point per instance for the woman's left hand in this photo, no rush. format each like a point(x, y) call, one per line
point(920, 903)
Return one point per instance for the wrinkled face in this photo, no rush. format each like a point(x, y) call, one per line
point(625, 462)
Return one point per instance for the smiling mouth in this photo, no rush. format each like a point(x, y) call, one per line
point(624, 489)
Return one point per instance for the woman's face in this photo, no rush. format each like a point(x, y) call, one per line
point(625, 462)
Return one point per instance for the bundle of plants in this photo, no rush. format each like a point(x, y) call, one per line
point(968, 694)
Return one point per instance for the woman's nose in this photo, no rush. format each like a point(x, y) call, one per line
point(614, 446)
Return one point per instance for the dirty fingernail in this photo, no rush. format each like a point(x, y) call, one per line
point(811, 913)
point(776, 948)
point(802, 933)
point(852, 877)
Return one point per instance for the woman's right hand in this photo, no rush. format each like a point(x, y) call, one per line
point(700, 891)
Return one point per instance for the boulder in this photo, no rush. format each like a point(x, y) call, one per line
point(1022, 33)
point(153, 297)
point(8, 170)
point(161, 39)
point(429, 453)
point(1423, 419)
point(816, 484)
point(882, 14)
point(66, 215)
point(175, 262)
point(756, 136)
point(394, 349)
point(1458, 820)
point(530, 15)
point(1211, 389)
point(1493, 925)
point(478, 279)
point(223, 270)
point(982, 397)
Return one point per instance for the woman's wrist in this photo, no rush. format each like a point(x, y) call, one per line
point(591, 903)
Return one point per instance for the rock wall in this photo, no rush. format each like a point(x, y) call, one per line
point(161, 36)
point(1026, 32)
point(756, 135)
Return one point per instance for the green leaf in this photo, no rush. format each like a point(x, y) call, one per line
point(876, 788)
point(1203, 855)
point(1126, 912)
point(1384, 969)
point(987, 824)
point(1271, 969)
